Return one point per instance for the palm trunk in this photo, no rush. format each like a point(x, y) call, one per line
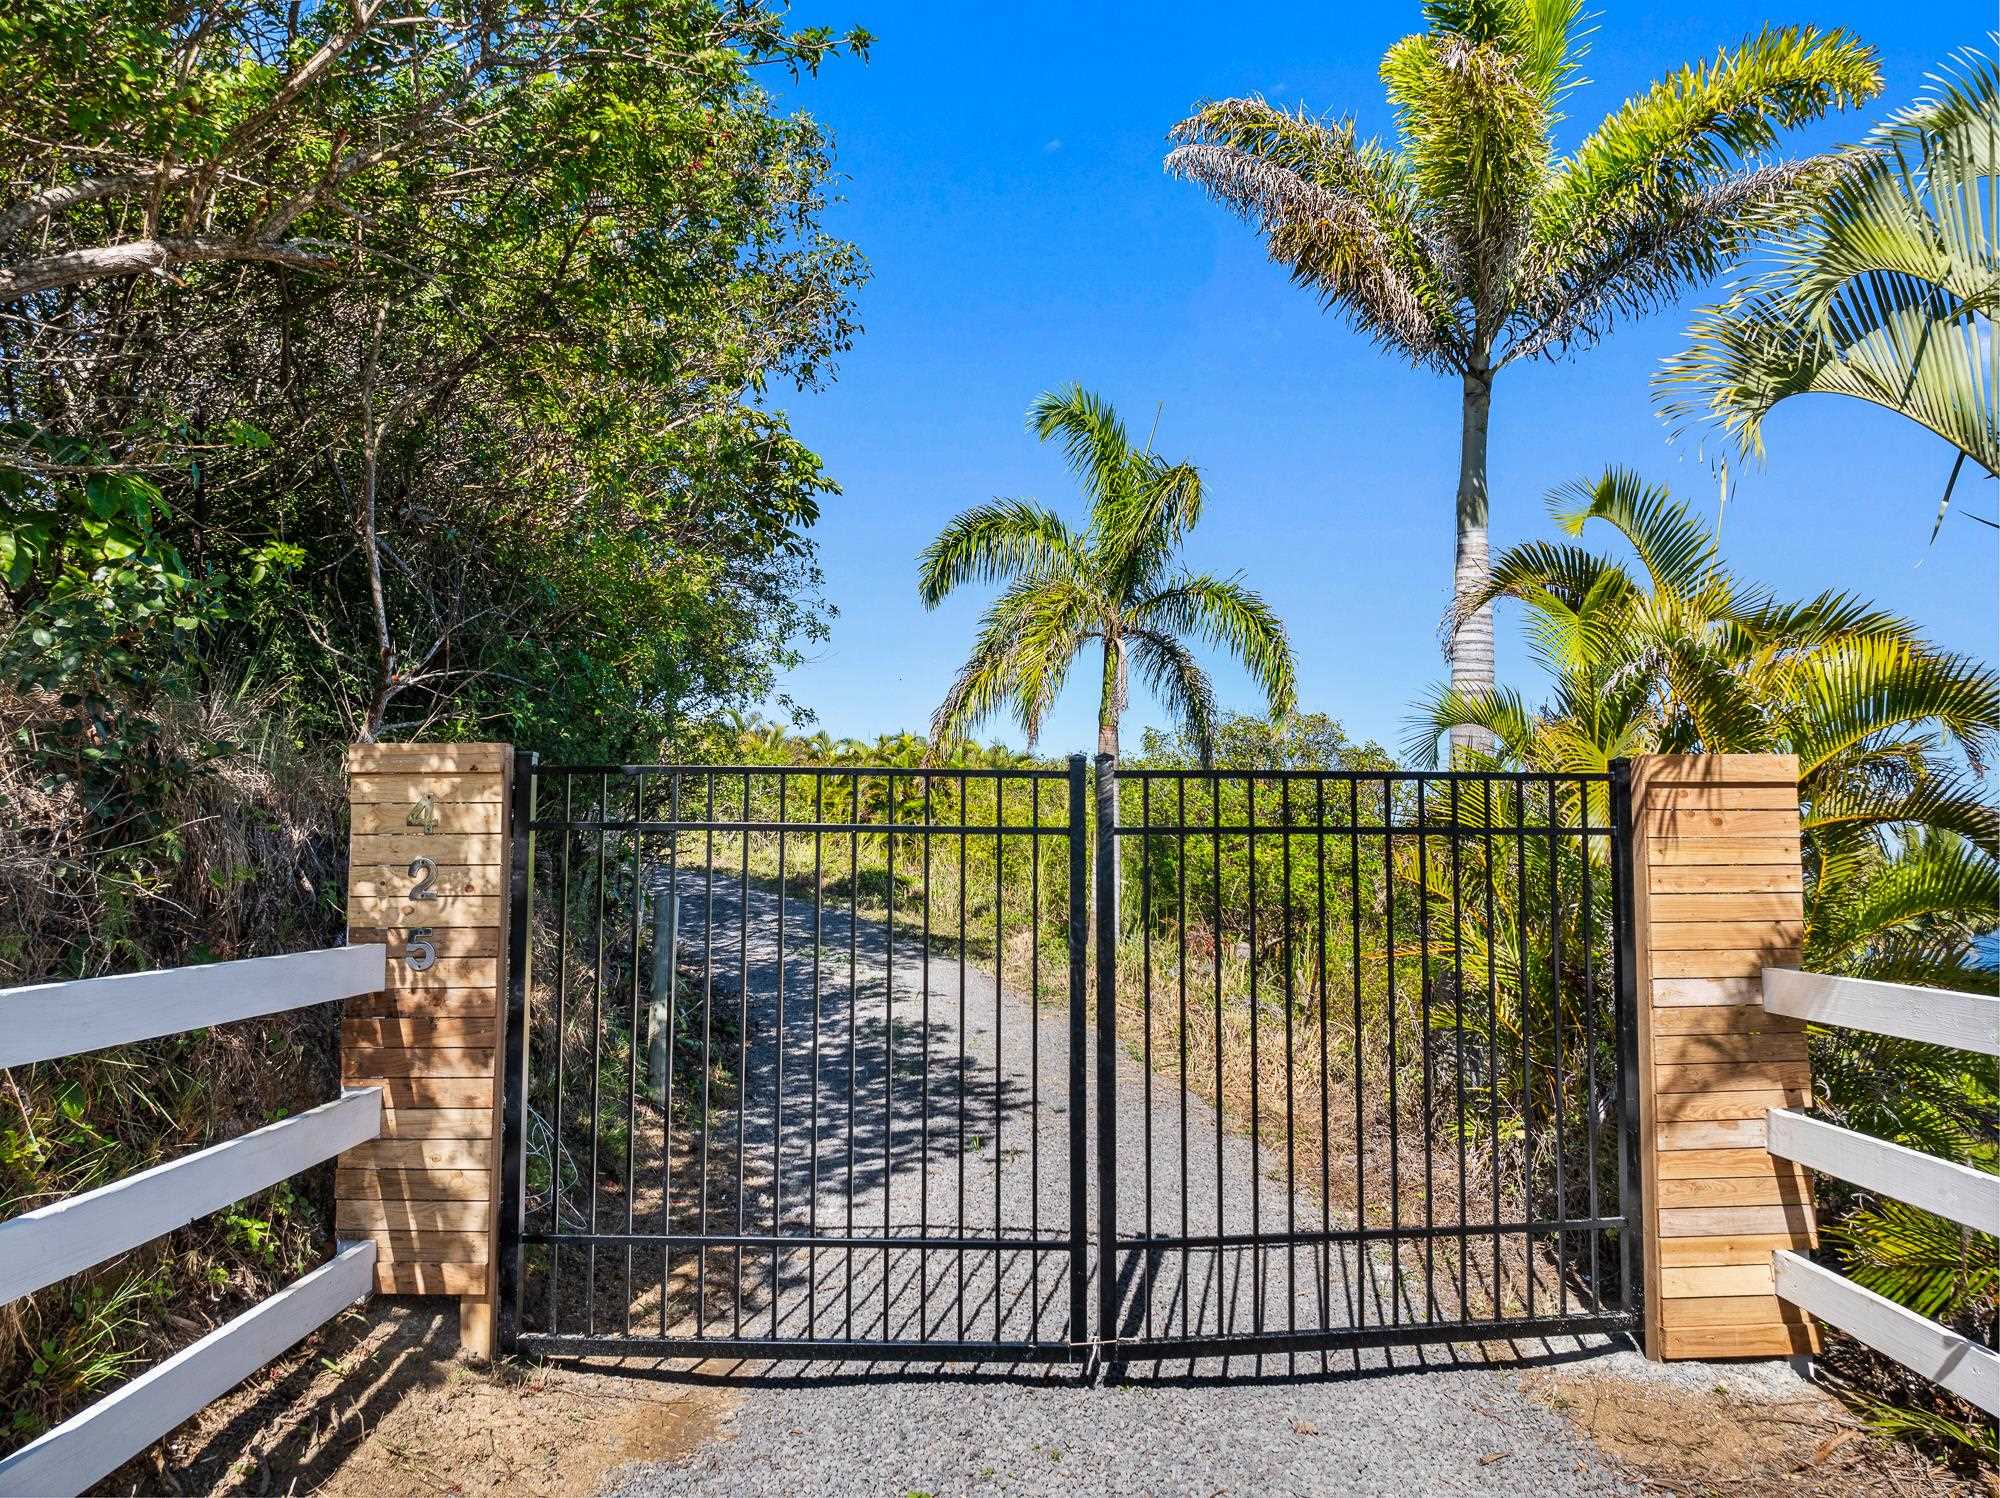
point(1471, 650)
point(1111, 701)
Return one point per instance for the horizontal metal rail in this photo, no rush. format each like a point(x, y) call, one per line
point(50, 1243)
point(47, 1020)
point(1357, 1338)
point(1965, 1195)
point(804, 772)
point(900, 829)
point(815, 1349)
point(1348, 829)
point(1937, 1016)
point(1940, 1354)
point(125, 1422)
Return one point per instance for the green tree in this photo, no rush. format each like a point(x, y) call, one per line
point(1115, 582)
point(1887, 293)
point(1472, 244)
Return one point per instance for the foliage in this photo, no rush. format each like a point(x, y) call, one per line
point(1114, 582)
point(1470, 244)
point(1885, 293)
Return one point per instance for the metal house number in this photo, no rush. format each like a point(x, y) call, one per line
point(423, 870)
point(418, 950)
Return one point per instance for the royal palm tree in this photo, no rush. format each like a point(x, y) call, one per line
point(1471, 244)
point(1887, 293)
point(1115, 582)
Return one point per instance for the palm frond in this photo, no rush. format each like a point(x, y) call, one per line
point(1170, 671)
point(1223, 612)
point(994, 541)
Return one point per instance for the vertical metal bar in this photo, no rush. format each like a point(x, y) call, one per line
point(960, 1078)
point(1458, 1036)
point(707, 1057)
point(596, 1060)
point(1559, 1088)
point(1107, 1045)
point(1326, 1247)
point(819, 944)
point(1493, 1033)
point(924, 1084)
point(514, 1087)
point(1291, 1080)
point(1626, 1018)
point(853, 1019)
point(632, 1040)
point(1035, 1055)
point(1180, 866)
point(1256, 1073)
point(1146, 1018)
point(1424, 1033)
point(1590, 1052)
point(999, 1035)
point(889, 1072)
point(1078, 1101)
point(742, 1049)
point(562, 1037)
point(1362, 1261)
point(673, 935)
point(1527, 1033)
point(1224, 1303)
point(778, 1089)
point(1395, 1120)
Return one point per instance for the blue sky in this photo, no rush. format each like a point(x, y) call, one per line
point(1002, 174)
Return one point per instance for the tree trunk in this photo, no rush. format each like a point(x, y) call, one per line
point(1470, 651)
point(1111, 701)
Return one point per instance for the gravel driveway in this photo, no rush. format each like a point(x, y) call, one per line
point(965, 1131)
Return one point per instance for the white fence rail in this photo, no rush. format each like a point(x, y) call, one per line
point(1964, 1021)
point(38, 1248)
point(48, 1020)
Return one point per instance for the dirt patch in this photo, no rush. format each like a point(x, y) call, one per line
point(1706, 1431)
point(378, 1406)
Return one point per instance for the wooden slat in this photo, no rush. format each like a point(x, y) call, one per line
point(1736, 963)
point(486, 818)
point(1722, 1019)
point(1732, 1075)
point(1736, 1191)
point(450, 941)
point(408, 790)
point(1749, 1102)
point(396, 1278)
point(1712, 1222)
point(394, 850)
point(399, 1246)
point(1680, 1049)
point(1729, 1310)
point(446, 973)
point(437, 1123)
point(1959, 1192)
point(437, 1003)
point(1687, 821)
point(443, 912)
point(50, 1243)
point(426, 759)
point(419, 1152)
point(1665, 796)
point(1721, 769)
point(420, 1061)
point(83, 1449)
point(1939, 1016)
point(419, 1216)
point(1717, 1280)
point(420, 1030)
point(1721, 879)
point(1741, 1248)
point(47, 1020)
point(1705, 1134)
point(1759, 850)
point(1713, 992)
point(1712, 905)
point(1698, 1164)
point(1709, 936)
point(1776, 1341)
point(451, 881)
point(391, 1184)
point(1937, 1353)
point(430, 1092)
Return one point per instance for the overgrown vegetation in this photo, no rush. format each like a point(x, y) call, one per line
point(365, 371)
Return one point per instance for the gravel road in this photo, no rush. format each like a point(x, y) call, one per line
point(953, 1117)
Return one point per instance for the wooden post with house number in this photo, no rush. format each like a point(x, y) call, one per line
point(427, 875)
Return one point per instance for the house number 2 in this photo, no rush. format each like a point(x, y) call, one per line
point(423, 870)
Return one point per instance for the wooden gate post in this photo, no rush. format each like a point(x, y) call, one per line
point(427, 874)
point(1717, 897)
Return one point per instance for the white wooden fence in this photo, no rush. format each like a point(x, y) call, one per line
point(40, 1247)
point(1970, 1197)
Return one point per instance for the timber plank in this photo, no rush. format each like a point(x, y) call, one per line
point(1745, 1102)
point(438, 1123)
point(397, 1278)
point(1721, 769)
point(394, 1184)
point(446, 972)
point(450, 941)
point(425, 759)
point(412, 1216)
point(1686, 1049)
point(394, 850)
point(1732, 1074)
point(1723, 1019)
point(1733, 963)
point(442, 913)
point(422, 1061)
point(1680, 795)
point(1718, 905)
point(443, 789)
point(1739, 1341)
point(1725, 851)
point(1725, 879)
point(407, 1031)
point(485, 818)
point(431, 1092)
point(1741, 1248)
point(1731, 1310)
point(1708, 936)
point(1716, 1280)
point(403, 1247)
point(1736, 1191)
point(394, 881)
point(1711, 1222)
point(1695, 992)
point(1711, 1164)
point(473, 1152)
point(437, 1003)
point(1682, 822)
point(1705, 1134)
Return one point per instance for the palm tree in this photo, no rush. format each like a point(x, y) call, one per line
point(1886, 294)
point(1470, 244)
point(1115, 582)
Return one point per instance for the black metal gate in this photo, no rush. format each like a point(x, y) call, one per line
point(797, 1062)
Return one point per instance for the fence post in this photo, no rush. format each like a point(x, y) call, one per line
point(1107, 1046)
point(1717, 894)
point(428, 875)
